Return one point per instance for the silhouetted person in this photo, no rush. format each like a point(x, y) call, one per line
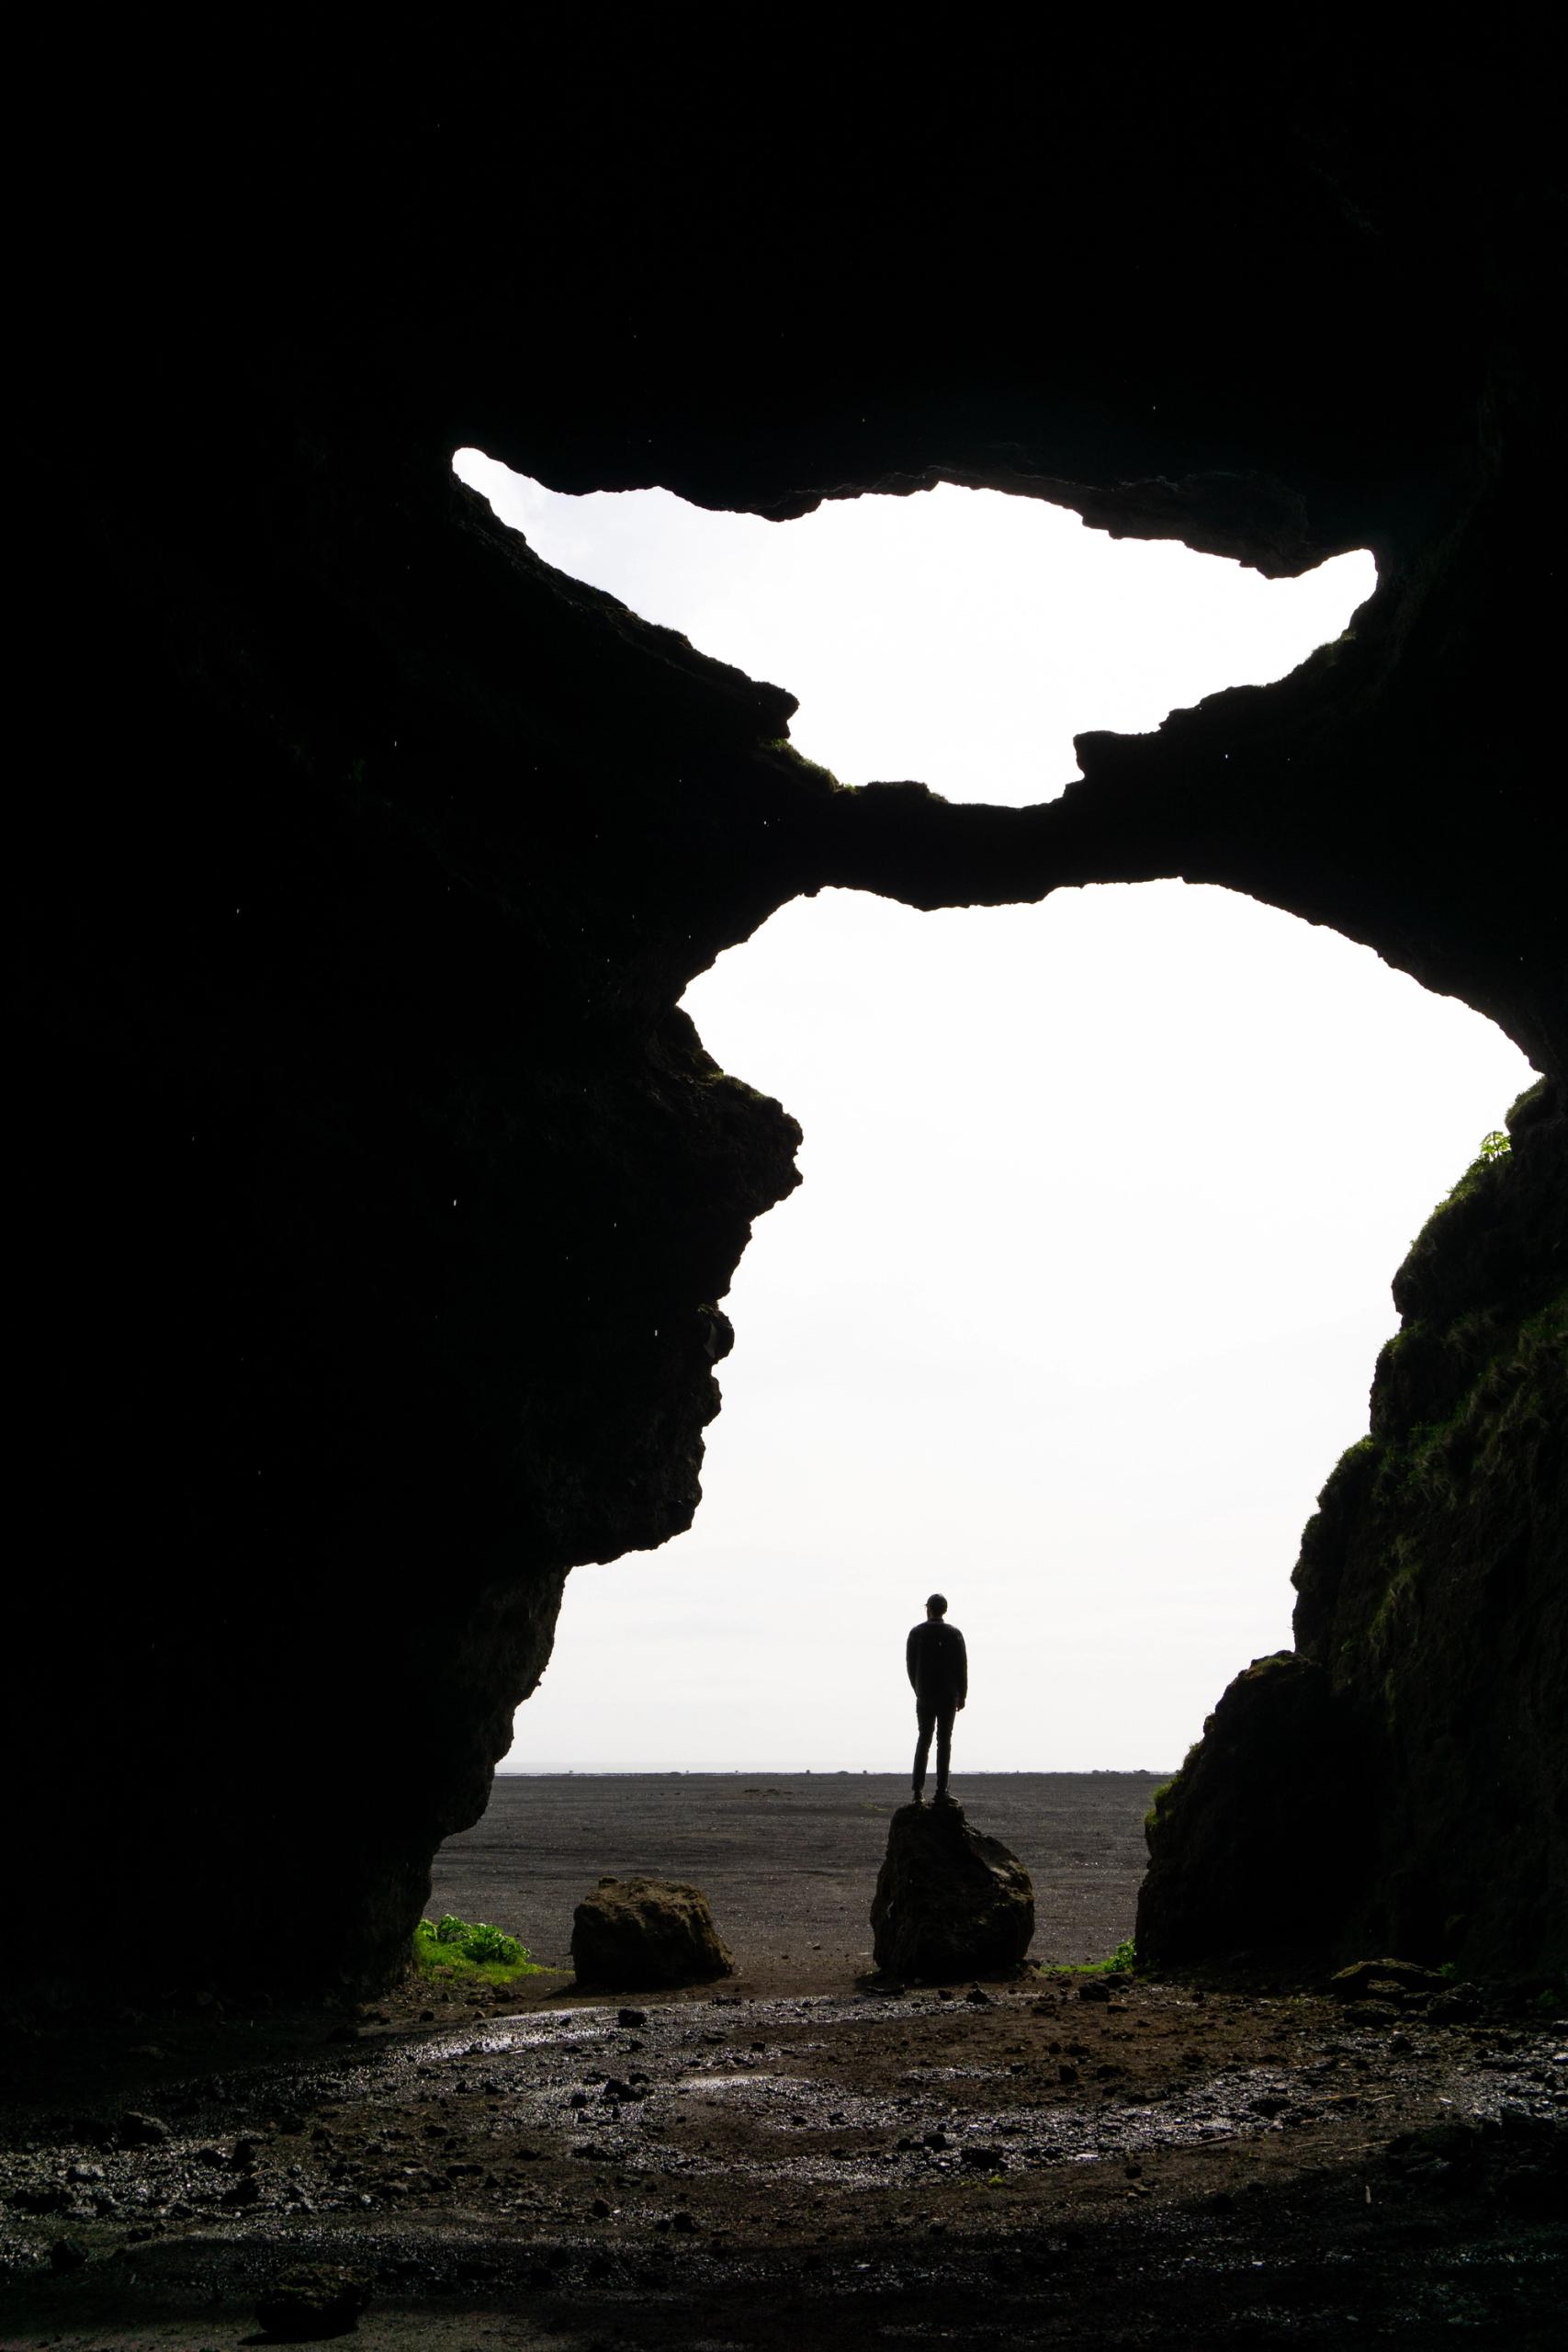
point(938, 1671)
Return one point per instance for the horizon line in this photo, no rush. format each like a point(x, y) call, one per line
point(823, 1772)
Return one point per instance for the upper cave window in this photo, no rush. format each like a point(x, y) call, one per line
point(958, 637)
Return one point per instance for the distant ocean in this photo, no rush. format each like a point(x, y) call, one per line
point(548, 1770)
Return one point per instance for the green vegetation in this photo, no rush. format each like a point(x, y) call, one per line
point(472, 1952)
point(1120, 1963)
point(1494, 1147)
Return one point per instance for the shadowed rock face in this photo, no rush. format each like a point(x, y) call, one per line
point(1401, 1783)
point(949, 1901)
point(377, 1203)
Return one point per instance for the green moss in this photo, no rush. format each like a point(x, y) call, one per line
point(785, 749)
point(1120, 1963)
point(1345, 1470)
point(1397, 1594)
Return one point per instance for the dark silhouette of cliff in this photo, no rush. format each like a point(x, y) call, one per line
point(1396, 1783)
point(376, 1202)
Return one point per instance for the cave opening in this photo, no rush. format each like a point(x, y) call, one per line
point(962, 636)
point(1154, 1152)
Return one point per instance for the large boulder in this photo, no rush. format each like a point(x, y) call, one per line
point(647, 1931)
point(949, 1902)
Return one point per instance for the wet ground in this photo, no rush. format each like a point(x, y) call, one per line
point(1063, 2162)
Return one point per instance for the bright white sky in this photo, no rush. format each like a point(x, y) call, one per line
point(1078, 1302)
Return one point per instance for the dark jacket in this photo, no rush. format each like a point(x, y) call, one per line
point(938, 1663)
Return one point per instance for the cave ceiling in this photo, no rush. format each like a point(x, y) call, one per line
point(1277, 310)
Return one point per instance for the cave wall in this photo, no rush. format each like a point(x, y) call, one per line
point(1399, 1781)
point(376, 1203)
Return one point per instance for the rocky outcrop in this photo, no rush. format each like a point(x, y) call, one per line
point(640, 1932)
point(376, 1202)
point(1400, 1784)
point(949, 1901)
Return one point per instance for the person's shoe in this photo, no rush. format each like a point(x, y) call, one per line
point(942, 1798)
point(917, 1798)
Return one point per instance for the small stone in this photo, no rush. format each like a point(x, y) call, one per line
point(631, 2017)
point(67, 2253)
point(685, 2222)
point(138, 2131)
point(1388, 1980)
point(1094, 1988)
point(317, 2299)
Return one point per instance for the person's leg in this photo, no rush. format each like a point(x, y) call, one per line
point(924, 1718)
point(943, 1747)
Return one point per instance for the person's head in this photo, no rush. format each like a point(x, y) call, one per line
point(937, 1605)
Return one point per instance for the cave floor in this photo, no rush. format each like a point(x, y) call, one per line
point(1008, 2164)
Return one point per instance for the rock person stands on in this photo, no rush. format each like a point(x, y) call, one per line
point(939, 1673)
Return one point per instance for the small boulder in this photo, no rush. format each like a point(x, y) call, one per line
point(137, 2131)
point(647, 1931)
point(949, 1902)
point(319, 2299)
point(1385, 1980)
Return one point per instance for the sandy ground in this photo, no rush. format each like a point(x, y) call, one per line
point(824, 2162)
point(788, 1860)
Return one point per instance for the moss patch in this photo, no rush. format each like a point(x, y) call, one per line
point(1120, 1963)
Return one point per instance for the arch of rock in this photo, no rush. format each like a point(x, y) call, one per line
point(378, 1202)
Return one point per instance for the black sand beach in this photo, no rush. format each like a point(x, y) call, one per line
point(788, 1860)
